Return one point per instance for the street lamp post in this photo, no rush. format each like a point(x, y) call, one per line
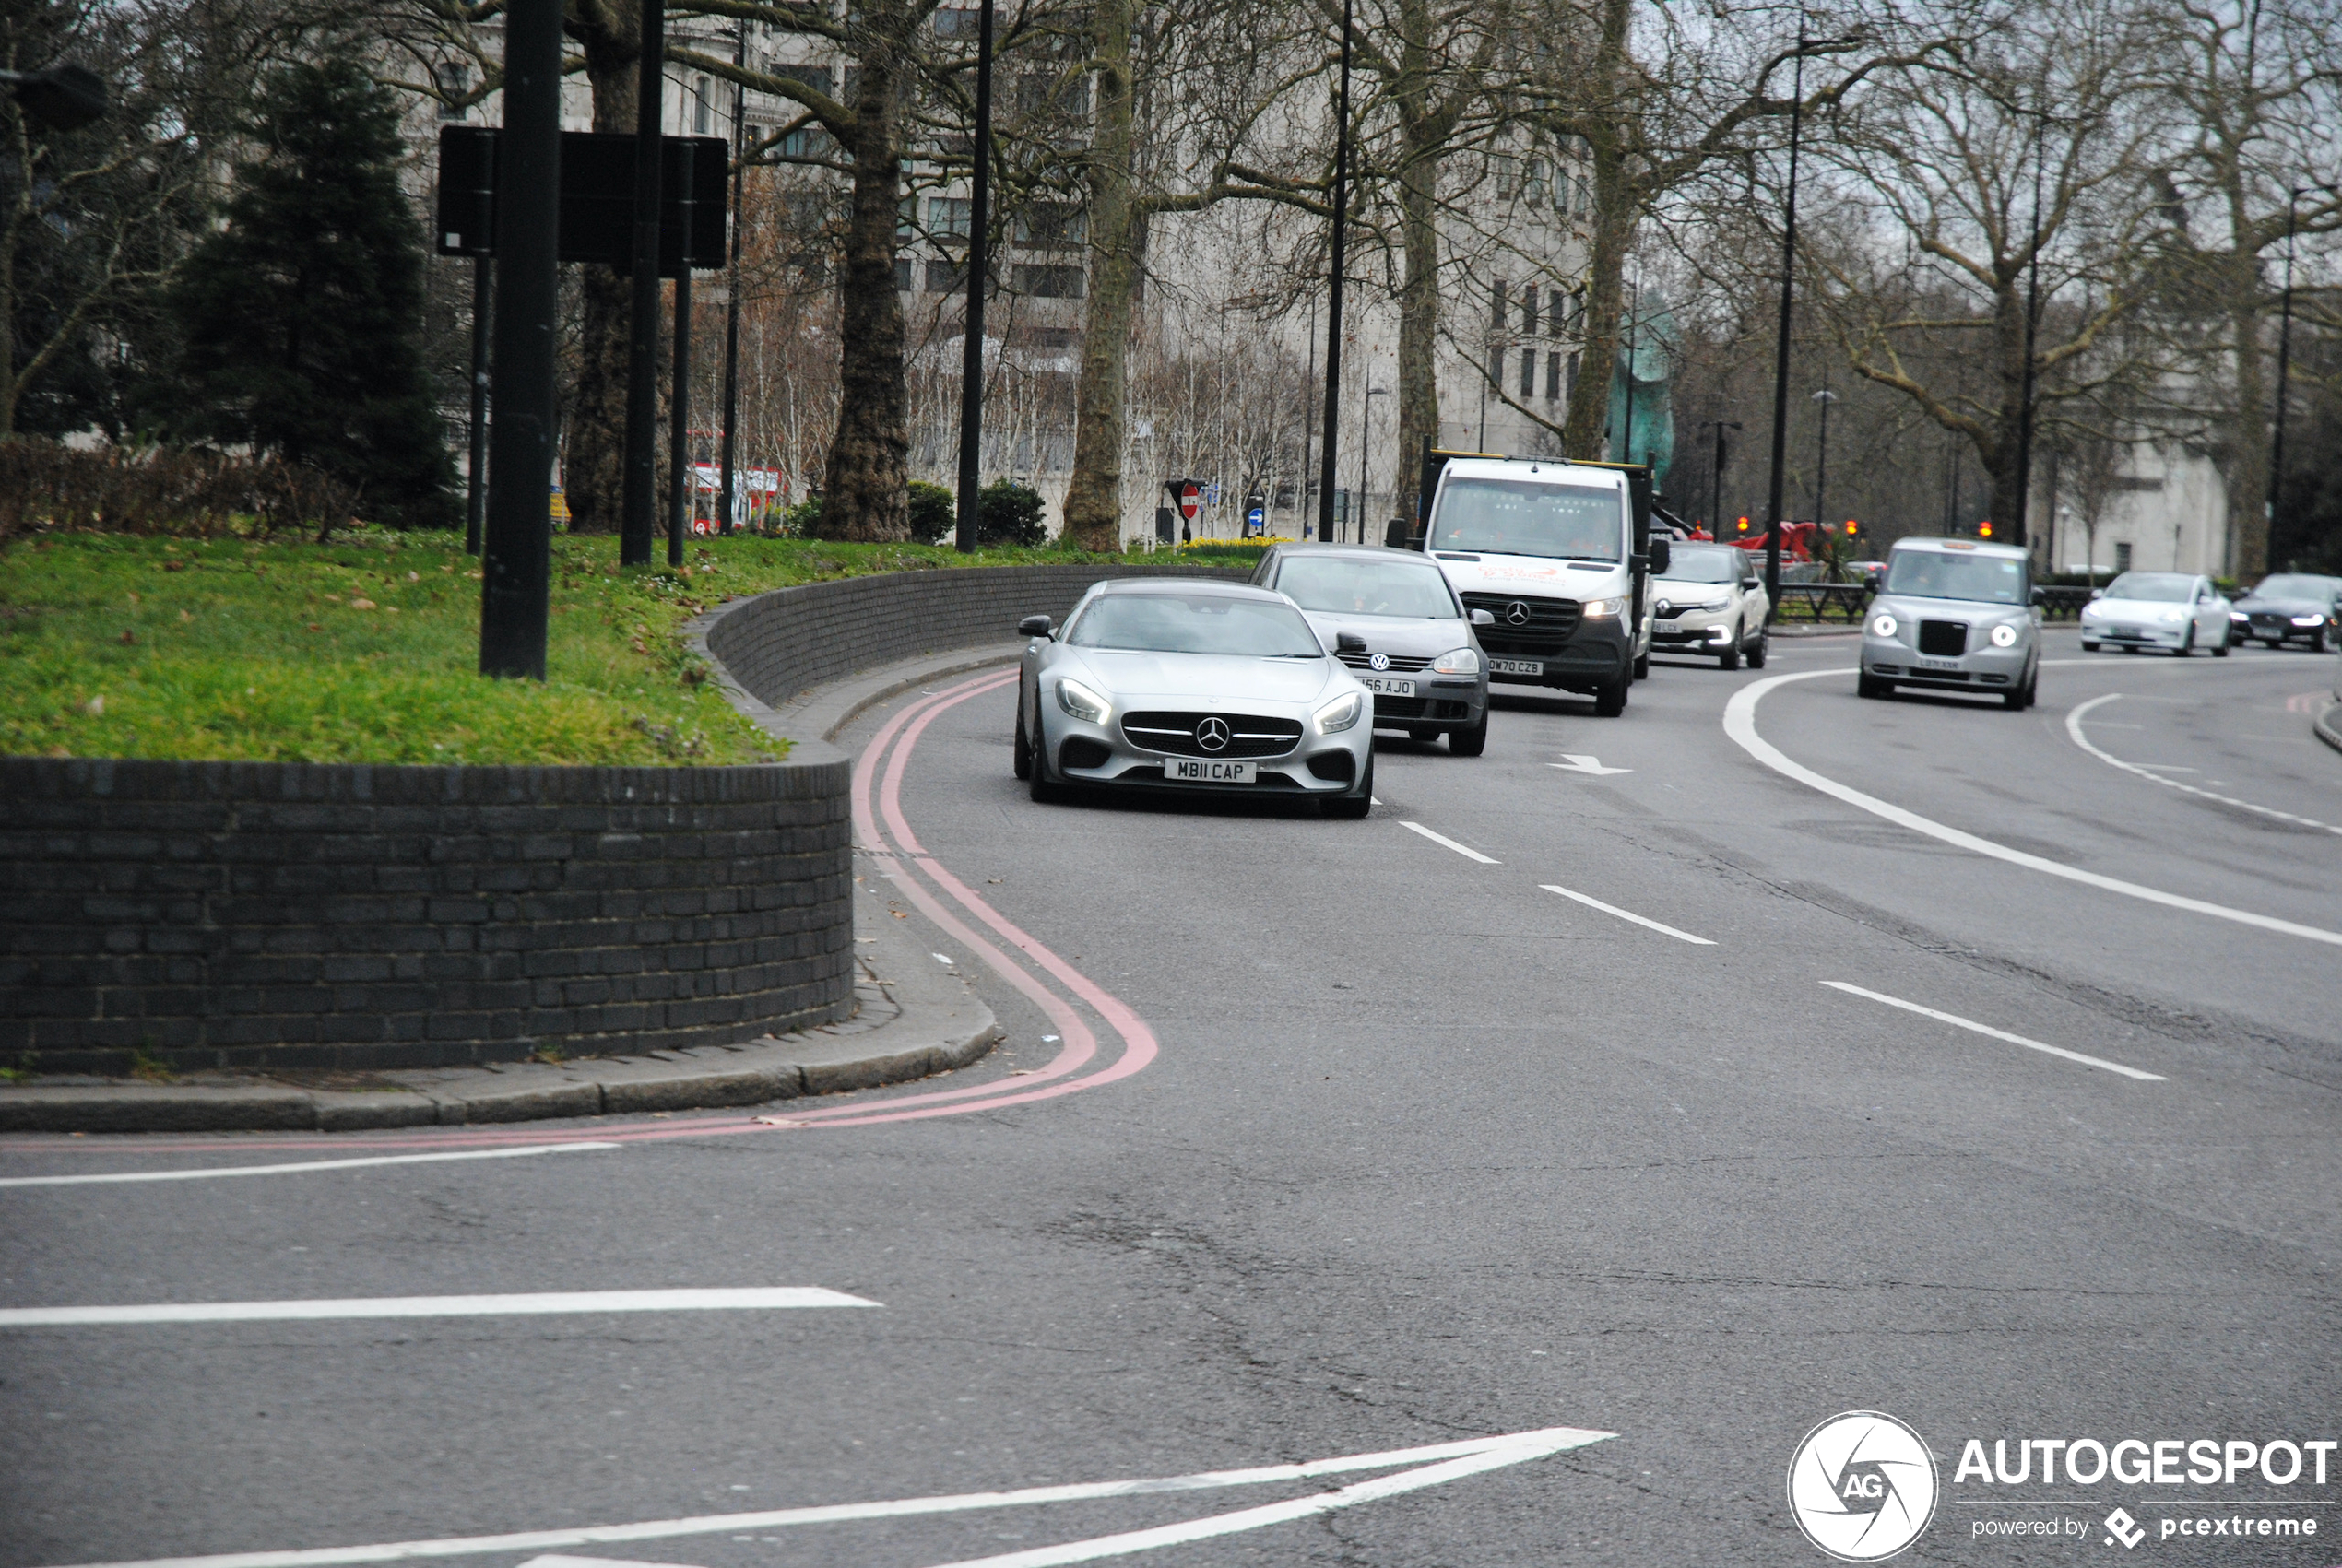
point(641, 497)
point(1365, 411)
point(732, 508)
point(1825, 397)
point(1333, 293)
point(2032, 328)
point(1780, 350)
point(980, 263)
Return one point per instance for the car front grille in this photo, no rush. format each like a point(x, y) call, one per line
point(1397, 664)
point(1943, 638)
point(2271, 624)
point(1175, 734)
point(1545, 624)
point(1400, 707)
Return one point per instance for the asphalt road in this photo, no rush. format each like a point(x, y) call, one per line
point(1379, 1144)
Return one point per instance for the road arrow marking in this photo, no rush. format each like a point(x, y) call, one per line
point(1578, 765)
point(1439, 1462)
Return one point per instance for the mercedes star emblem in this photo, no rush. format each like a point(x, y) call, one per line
point(1381, 661)
point(1213, 734)
point(1517, 613)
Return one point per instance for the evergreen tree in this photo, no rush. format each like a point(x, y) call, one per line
point(303, 317)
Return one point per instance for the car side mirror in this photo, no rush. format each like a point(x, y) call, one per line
point(1033, 626)
point(1660, 555)
point(2097, 593)
point(1749, 584)
point(1349, 643)
point(2040, 596)
point(1484, 617)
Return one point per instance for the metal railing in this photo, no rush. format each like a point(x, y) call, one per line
point(1815, 600)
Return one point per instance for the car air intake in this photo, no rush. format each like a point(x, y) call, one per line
point(1333, 767)
point(1081, 751)
point(1943, 638)
point(1211, 734)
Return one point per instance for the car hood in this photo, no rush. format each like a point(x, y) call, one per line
point(2279, 607)
point(1211, 677)
point(1907, 609)
point(1393, 634)
point(1683, 590)
point(1528, 575)
point(2141, 607)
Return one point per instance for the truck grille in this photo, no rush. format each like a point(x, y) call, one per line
point(1545, 624)
point(1249, 733)
point(1943, 638)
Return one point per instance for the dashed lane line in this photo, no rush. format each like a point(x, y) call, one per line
point(1628, 914)
point(2154, 773)
point(1438, 1462)
point(1972, 1025)
point(295, 1168)
point(1465, 850)
point(1740, 724)
point(754, 1299)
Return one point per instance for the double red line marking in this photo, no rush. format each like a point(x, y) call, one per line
point(876, 800)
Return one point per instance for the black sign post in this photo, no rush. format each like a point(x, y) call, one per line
point(640, 483)
point(516, 543)
point(679, 402)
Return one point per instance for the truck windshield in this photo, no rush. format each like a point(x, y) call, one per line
point(1346, 586)
point(1195, 623)
point(1938, 574)
point(1525, 517)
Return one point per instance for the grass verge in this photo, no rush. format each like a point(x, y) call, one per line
point(365, 649)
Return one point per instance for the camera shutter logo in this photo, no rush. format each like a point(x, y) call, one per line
point(1862, 1486)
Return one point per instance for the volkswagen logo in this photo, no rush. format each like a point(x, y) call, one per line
point(1381, 661)
point(1517, 613)
point(1213, 734)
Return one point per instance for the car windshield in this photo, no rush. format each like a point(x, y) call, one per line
point(2295, 588)
point(1524, 518)
point(2153, 587)
point(1941, 574)
point(1686, 565)
point(1195, 623)
point(1347, 585)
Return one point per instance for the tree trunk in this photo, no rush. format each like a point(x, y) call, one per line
point(1094, 496)
point(594, 469)
point(1419, 239)
point(2000, 454)
point(866, 491)
point(1617, 201)
point(2248, 466)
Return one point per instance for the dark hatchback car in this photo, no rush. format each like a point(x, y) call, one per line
point(2291, 607)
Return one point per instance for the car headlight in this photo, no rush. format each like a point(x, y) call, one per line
point(1711, 606)
point(1081, 701)
point(1340, 714)
point(1882, 625)
point(1599, 609)
point(2092, 611)
point(1457, 661)
point(2005, 635)
point(2308, 620)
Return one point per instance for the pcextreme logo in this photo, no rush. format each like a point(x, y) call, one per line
point(1861, 1486)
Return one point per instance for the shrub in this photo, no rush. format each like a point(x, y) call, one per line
point(1008, 513)
point(935, 512)
point(162, 490)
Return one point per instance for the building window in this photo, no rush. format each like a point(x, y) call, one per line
point(454, 81)
point(1049, 282)
point(702, 107)
point(1528, 310)
point(947, 218)
point(958, 22)
point(1053, 225)
point(946, 277)
point(902, 274)
point(1569, 378)
point(1496, 317)
point(2122, 555)
point(1528, 371)
point(1553, 375)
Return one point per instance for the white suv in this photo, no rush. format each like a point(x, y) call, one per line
point(1710, 602)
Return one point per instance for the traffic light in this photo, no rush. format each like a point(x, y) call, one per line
point(1985, 529)
point(1854, 530)
point(1744, 524)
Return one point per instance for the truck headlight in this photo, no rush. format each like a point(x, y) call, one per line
point(1081, 701)
point(2005, 635)
point(1457, 661)
point(1882, 625)
point(1340, 715)
point(1601, 610)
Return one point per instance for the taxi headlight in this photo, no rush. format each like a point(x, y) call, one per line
point(1601, 609)
point(1457, 661)
point(1882, 625)
point(1340, 715)
point(1081, 701)
point(2005, 635)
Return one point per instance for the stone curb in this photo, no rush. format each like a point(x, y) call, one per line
point(2328, 725)
point(913, 1018)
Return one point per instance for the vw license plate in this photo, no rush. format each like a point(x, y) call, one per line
point(1516, 667)
point(1206, 770)
point(1388, 686)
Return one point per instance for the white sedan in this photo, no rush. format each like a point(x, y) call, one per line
point(2157, 609)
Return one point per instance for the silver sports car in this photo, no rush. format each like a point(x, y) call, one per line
point(1182, 683)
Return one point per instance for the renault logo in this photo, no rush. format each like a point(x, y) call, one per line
point(1213, 734)
point(1381, 661)
point(1664, 607)
point(1517, 613)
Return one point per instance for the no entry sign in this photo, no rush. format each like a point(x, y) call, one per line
point(1190, 498)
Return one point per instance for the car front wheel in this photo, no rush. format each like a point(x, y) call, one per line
point(1764, 642)
point(1469, 742)
point(1023, 762)
point(1351, 808)
point(1868, 685)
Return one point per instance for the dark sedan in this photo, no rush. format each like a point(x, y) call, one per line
point(2291, 607)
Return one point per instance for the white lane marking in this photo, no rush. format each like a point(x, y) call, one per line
point(554, 1559)
point(940, 959)
point(1578, 765)
point(1740, 724)
point(206, 1175)
point(1627, 914)
point(1464, 850)
point(1516, 1445)
point(2154, 772)
point(1955, 1020)
point(752, 1299)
